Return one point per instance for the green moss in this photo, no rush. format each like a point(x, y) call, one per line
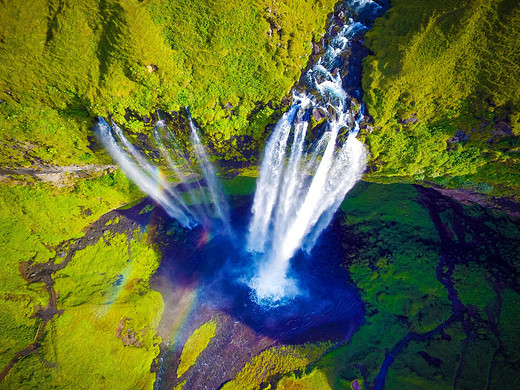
point(394, 203)
point(275, 361)
point(106, 318)
point(476, 361)
point(316, 380)
point(180, 386)
point(412, 369)
point(473, 286)
point(90, 278)
point(47, 214)
point(392, 257)
point(509, 314)
point(196, 343)
point(240, 185)
point(142, 56)
point(107, 302)
point(444, 69)
point(38, 221)
point(34, 220)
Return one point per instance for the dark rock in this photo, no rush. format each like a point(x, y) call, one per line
point(412, 120)
point(318, 114)
point(335, 30)
point(462, 136)
point(316, 49)
point(286, 101)
point(502, 128)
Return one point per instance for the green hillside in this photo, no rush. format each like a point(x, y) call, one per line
point(442, 87)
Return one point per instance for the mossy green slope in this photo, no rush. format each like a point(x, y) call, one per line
point(105, 338)
point(64, 62)
point(442, 89)
point(103, 289)
point(275, 362)
point(196, 343)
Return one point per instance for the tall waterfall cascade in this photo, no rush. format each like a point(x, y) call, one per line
point(304, 174)
point(302, 184)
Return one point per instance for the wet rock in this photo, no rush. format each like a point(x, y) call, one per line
point(458, 137)
point(502, 128)
point(335, 30)
point(462, 136)
point(316, 49)
point(286, 101)
point(318, 114)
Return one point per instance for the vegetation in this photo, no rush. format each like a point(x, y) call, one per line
point(102, 290)
point(196, 343)
point(316, 380)
point(225, 61)
point(441, 90)
point(273, 362)
point(408, 249)
point(231, 64)
point(106, 301)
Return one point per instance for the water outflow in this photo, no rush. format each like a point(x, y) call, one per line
point(301, 185)
point(192, 204)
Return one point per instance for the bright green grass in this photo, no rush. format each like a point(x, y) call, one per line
point(36, 218)
point(275, 361)
point(453, 65)
point(316, 380)
point(196, 343)
point(106, 336)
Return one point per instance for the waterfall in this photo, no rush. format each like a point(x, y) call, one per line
point(301, 183)
point(195, 206)
point(301, 186)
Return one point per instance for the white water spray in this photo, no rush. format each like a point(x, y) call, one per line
point(301, 186)
point(190, 207)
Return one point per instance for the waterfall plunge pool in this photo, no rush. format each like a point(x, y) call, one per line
point(214, 270)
